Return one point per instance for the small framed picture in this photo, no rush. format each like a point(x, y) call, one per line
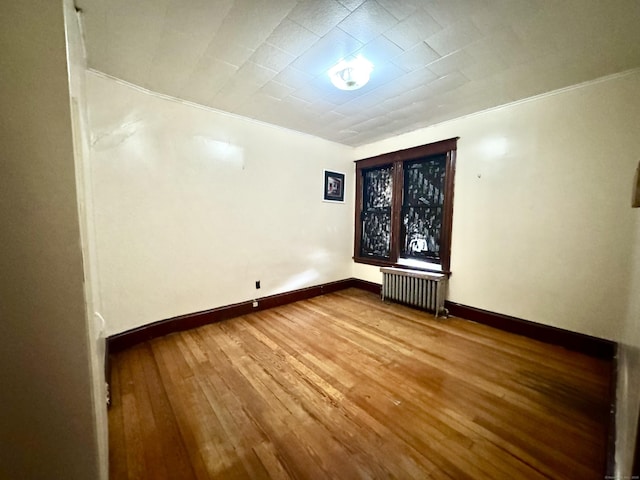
point(333, 186)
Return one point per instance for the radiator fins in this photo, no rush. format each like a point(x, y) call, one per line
point(424, 290)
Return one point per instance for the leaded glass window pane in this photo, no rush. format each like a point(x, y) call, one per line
point(422, 208)
point(376, 212)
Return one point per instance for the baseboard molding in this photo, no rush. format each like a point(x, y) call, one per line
point(579, 342)
point(574, 341)
point(368, 286)
point(124, 340)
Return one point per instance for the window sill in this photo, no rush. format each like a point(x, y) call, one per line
point(414, 265)
point(419, 264)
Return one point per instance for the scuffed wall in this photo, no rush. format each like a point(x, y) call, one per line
point(77, 67)
point(192, 206)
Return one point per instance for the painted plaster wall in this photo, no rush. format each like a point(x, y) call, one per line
point(542, 224)
point(46, 416)
point(77, 66)
point(192, 206)
point(628, 394)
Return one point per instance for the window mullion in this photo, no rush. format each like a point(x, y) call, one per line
point(448, 208)
point(396, 210)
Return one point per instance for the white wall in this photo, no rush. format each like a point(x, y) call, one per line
point(80, 127)
point(192, 206)
point(542, 224)
point(46, 415)
point(628, 394)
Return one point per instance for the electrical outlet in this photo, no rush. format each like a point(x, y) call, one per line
point(257, 284)
point(255, 303)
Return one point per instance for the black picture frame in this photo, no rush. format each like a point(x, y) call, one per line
point(333, 187)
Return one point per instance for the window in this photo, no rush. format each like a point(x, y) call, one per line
point(404, 207)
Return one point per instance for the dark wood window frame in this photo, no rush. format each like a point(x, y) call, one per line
point(396, 160)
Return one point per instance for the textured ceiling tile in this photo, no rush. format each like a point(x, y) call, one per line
point(131, 43)
point(501, 13)
point(340, 97)
point(126, 61)
point(448, 12)
point(167, 79)
point(177, 55)
point(255, 73)
point(450, 63)
point(368, 21)
point(328, 51)
point(394, 104)
point(250, 22)
point(183, 48)
point(346, 125)
point(328, 121)
point(258, 103)
point(308, 94)
point(234, 94)
point(400, 9)
point(276, 90)
point(371, 102)
point(484, 64)
point(319, 16)
point(292, 38)
point(380, 50)
point(351, 4)
point(448, 82)
point(294, 78)
point(503, 46)
point(511, 50)
point(228, 101)
point(413, 30)
point(410, 81)
point(370, 124)
point(126, 13)
point(454, 37)
point(197, 16)
point(297, 103)
point(416, 58)
point(323, 108)
point(271, 57)
point(385, 73)
point(355, 111)
point(494, 51)
point(206, 80)
point(230, 52)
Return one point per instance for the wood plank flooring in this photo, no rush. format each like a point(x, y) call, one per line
point(343, 386)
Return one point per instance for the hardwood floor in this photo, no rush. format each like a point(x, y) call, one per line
point(345, 386)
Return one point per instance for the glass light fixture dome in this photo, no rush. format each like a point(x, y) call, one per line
point(351, 74)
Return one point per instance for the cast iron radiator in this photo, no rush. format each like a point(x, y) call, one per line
point(424, 290)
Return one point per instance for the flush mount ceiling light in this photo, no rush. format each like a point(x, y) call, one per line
point(352, 74)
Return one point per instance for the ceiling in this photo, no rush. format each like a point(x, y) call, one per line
point(434, 60)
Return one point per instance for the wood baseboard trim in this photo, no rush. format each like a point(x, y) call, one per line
point(124, 340)
point(579, 342)
point(366, 285)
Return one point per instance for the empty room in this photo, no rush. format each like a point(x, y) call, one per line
point(320, 239)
